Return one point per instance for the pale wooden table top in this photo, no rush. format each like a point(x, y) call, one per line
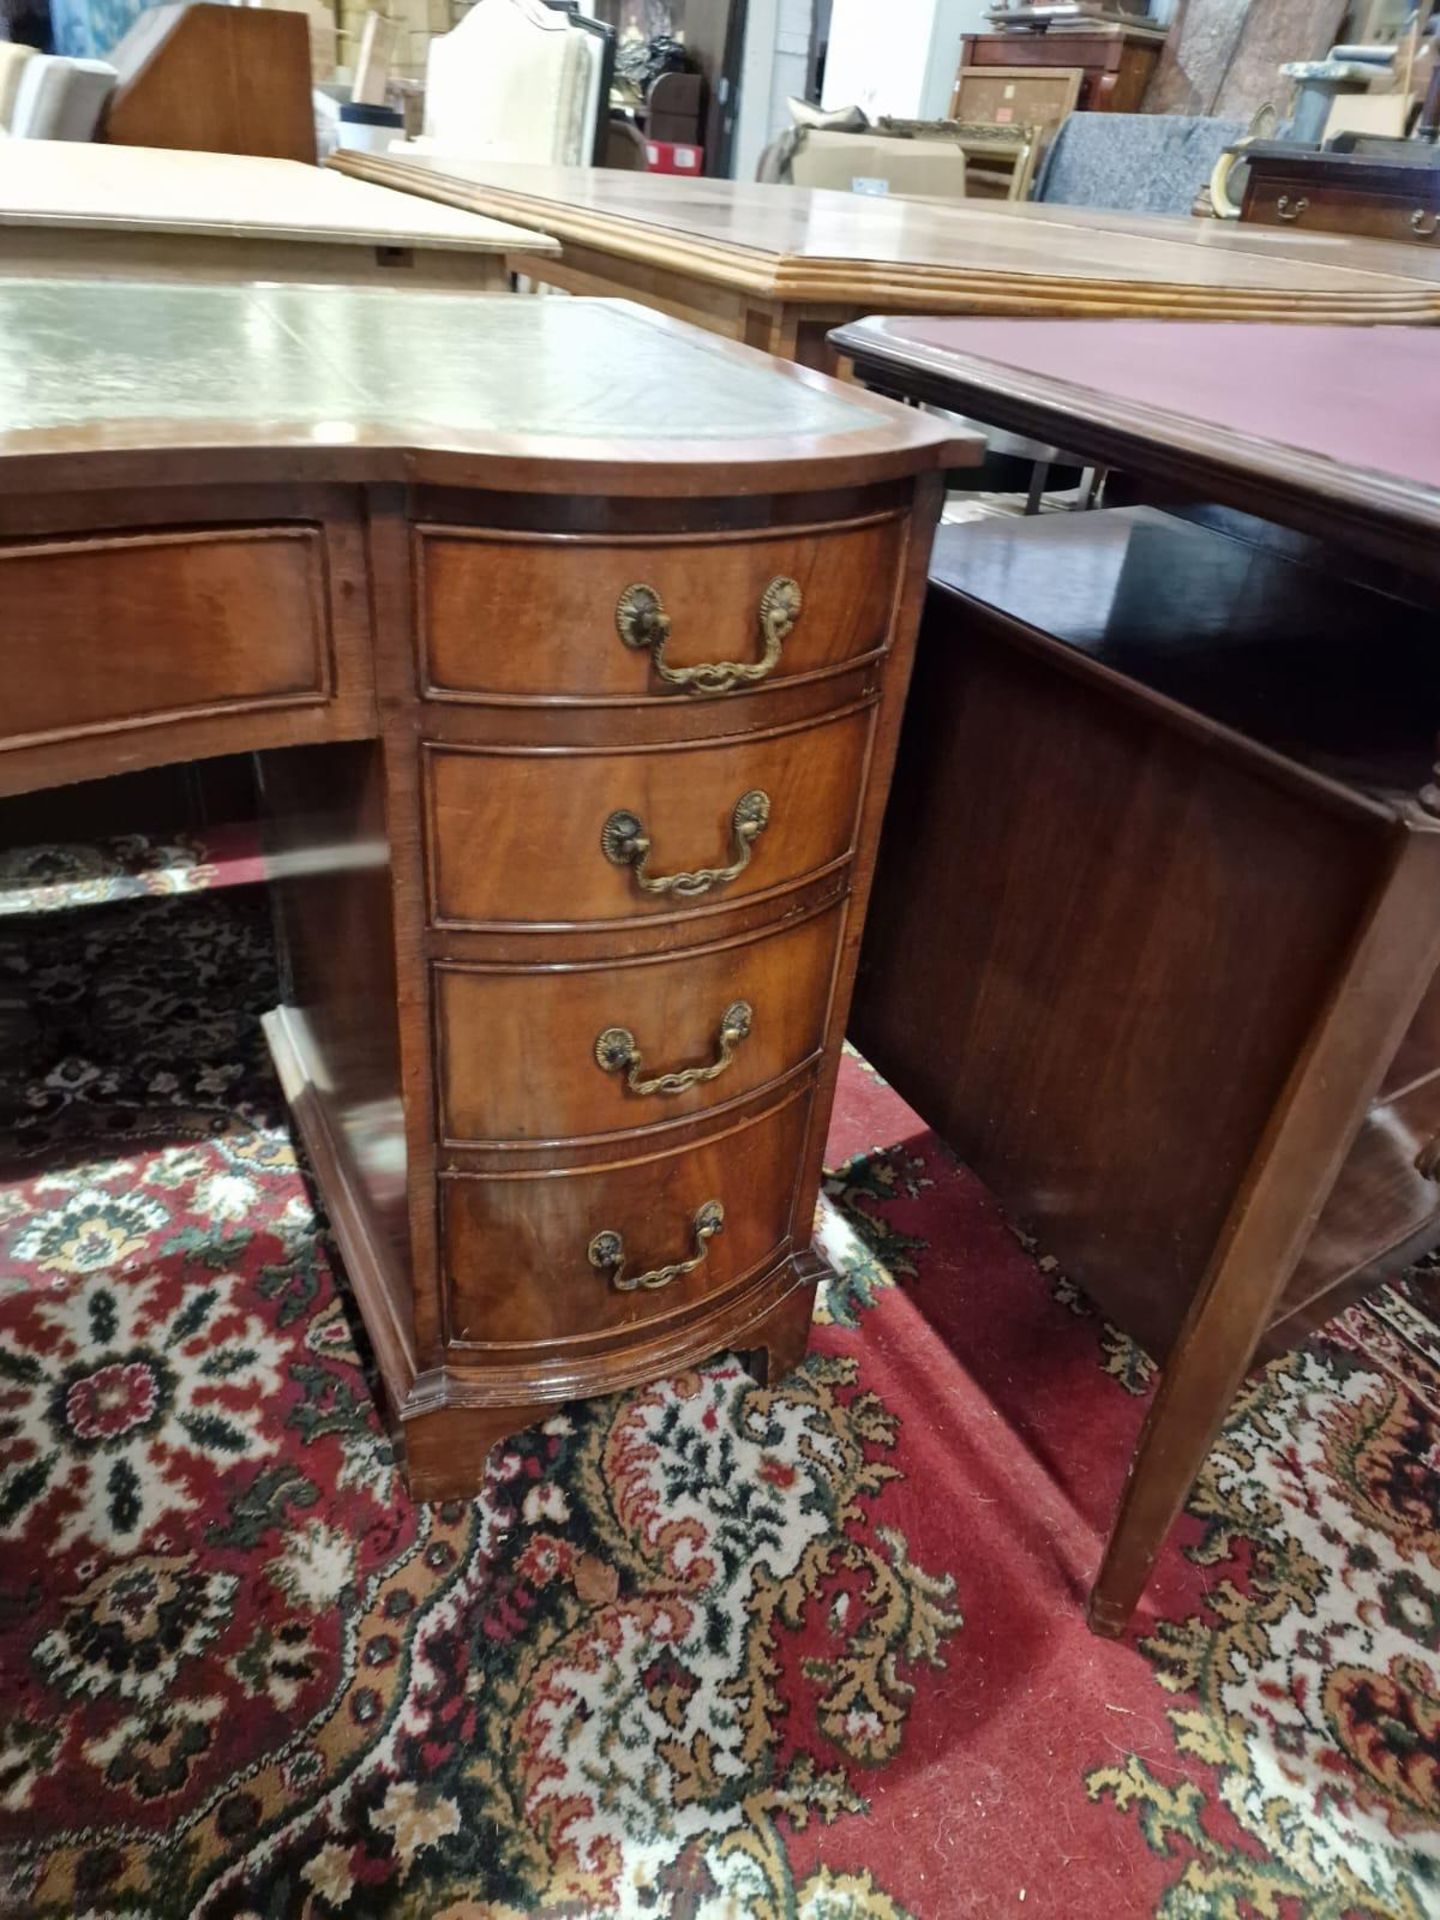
point(151, 190)
point(816, 244)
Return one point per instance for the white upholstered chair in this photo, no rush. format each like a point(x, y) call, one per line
point(13, 57)
point(60, 99)
point(524, 80)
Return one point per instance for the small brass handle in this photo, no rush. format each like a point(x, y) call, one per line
point(624, 841)
point(607, 1253)
point(616, 1051)
point(642, 621)
point(1288, 209)
point(1426, 225)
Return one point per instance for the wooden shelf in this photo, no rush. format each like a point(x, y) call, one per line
point(1337, 677)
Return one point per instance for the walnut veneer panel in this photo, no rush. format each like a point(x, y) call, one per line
point(516, 1252)
point(121, 631)
point(493, 1086)
point(537, 619)
point(515, 837)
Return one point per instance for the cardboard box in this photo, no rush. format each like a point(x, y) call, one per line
point(923, 167)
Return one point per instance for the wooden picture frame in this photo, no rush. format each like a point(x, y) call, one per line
point(1040, 97)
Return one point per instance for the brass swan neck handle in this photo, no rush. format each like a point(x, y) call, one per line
point(642, 623)
point(606, 1253)
point(616, 1051)
point(625, 842)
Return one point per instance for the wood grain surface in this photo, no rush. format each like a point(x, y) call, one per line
point(816, 247)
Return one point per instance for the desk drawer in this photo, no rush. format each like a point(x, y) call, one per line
point(1323, 207)
point(123, 630)
point(517, 1248)
point(520, 1054)
point(558, 838)
point(540, 619)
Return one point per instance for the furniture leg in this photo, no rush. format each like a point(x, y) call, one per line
point(1390, 965)
point(778, 1342)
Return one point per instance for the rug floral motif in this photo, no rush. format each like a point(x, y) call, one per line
point(708, 1650)
point(673, 1629)
point(1308, 1683)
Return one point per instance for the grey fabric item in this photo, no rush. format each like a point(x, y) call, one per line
point(1134, 162)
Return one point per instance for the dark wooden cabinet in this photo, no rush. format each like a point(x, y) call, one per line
point(1313, 191)
point(1159, 782)
point(1116, 62)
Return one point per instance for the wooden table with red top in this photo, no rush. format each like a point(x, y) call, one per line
point(1157, 915)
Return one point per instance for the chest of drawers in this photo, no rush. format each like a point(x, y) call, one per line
point(643, 765)
point(576, 709)
point(1322, 192)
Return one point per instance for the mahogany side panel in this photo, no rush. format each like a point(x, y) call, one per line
point(215, 79)
point(1095, 951)
point(328, 863)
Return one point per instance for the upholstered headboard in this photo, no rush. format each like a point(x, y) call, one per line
point(520, 80)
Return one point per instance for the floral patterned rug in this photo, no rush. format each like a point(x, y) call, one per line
point(707, 1650)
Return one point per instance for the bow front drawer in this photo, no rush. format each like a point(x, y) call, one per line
point(121, 630)
point(632, 1046)
point(546, 619)
point(564, 837)
point(530, 1258)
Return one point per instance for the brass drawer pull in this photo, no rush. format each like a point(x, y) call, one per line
point(1289, 209)
point(607, 1253)
point(642, 621)
point(1425, 225)
point(624, 841)
point(616, 1051)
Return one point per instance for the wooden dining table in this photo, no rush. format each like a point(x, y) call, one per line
point(778, 266)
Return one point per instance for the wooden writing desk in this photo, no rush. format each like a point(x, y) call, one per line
point(574, 643)
point(71, 206)
point(778, 266)
point(1158, 923)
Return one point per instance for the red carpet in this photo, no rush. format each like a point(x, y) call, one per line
point(703, 1651)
